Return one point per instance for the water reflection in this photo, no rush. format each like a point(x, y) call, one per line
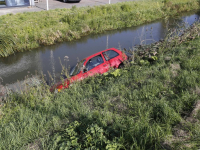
point(44, 59)
point(11, 71)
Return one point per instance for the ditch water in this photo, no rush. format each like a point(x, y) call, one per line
point(14, 69)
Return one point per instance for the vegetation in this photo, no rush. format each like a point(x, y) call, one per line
point(143, 106)
point(2, 3)
point(6, 45)
point(33, 29)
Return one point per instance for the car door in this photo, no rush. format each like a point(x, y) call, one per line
point(113, 58)
point(96, 65)
point(104, 66)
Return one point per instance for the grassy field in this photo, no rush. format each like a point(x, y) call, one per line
point(33, 29)
point(143, 106)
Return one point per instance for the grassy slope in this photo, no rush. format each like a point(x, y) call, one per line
point(139, 108)
point(33, 29)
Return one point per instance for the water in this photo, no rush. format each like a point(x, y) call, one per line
point(15, 68)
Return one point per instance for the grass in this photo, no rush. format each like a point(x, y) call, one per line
point(6, 44)
point(34, 29)
point(2, 3)
point(143, 106)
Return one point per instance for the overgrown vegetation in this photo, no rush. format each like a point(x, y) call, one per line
point(6, 45)
point(143, 106)
point(33, 29)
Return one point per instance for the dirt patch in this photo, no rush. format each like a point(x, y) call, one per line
point(181, 132)
point(197, 90)
point(117, 105)
point(180, 135)
point(196, 109)
point(175, 67)
point(36, 145)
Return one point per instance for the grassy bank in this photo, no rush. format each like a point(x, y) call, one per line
point(144, 106)
point(33, 29)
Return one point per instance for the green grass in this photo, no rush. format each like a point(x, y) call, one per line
point(2, 3)
point(6, 44)
point(143, 106)
point(33, 29)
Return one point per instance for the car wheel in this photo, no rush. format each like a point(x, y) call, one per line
point(121, 66)
point(65, 1)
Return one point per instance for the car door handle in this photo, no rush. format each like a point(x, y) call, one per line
point(104, 65)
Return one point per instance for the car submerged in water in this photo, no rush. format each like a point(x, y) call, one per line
point(97, 63)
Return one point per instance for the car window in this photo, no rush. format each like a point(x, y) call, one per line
point(93, 62)
point(77, 68)
point(110, 54)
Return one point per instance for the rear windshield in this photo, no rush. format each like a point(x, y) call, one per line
point(110, 54)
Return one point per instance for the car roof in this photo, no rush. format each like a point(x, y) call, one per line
point(98, 53)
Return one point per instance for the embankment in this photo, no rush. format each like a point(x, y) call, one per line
point(143, 106)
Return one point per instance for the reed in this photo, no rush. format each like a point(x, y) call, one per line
point(6, 45)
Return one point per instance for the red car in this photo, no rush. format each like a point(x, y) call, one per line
point(98, 63)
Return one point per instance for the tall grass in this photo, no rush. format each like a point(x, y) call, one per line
point(137, 107)
point(6, 45)
point(34, 29)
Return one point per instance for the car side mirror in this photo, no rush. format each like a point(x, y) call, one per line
point(84, 70)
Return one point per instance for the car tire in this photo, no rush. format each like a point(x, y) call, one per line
point(121, 66)
point(65, 1)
